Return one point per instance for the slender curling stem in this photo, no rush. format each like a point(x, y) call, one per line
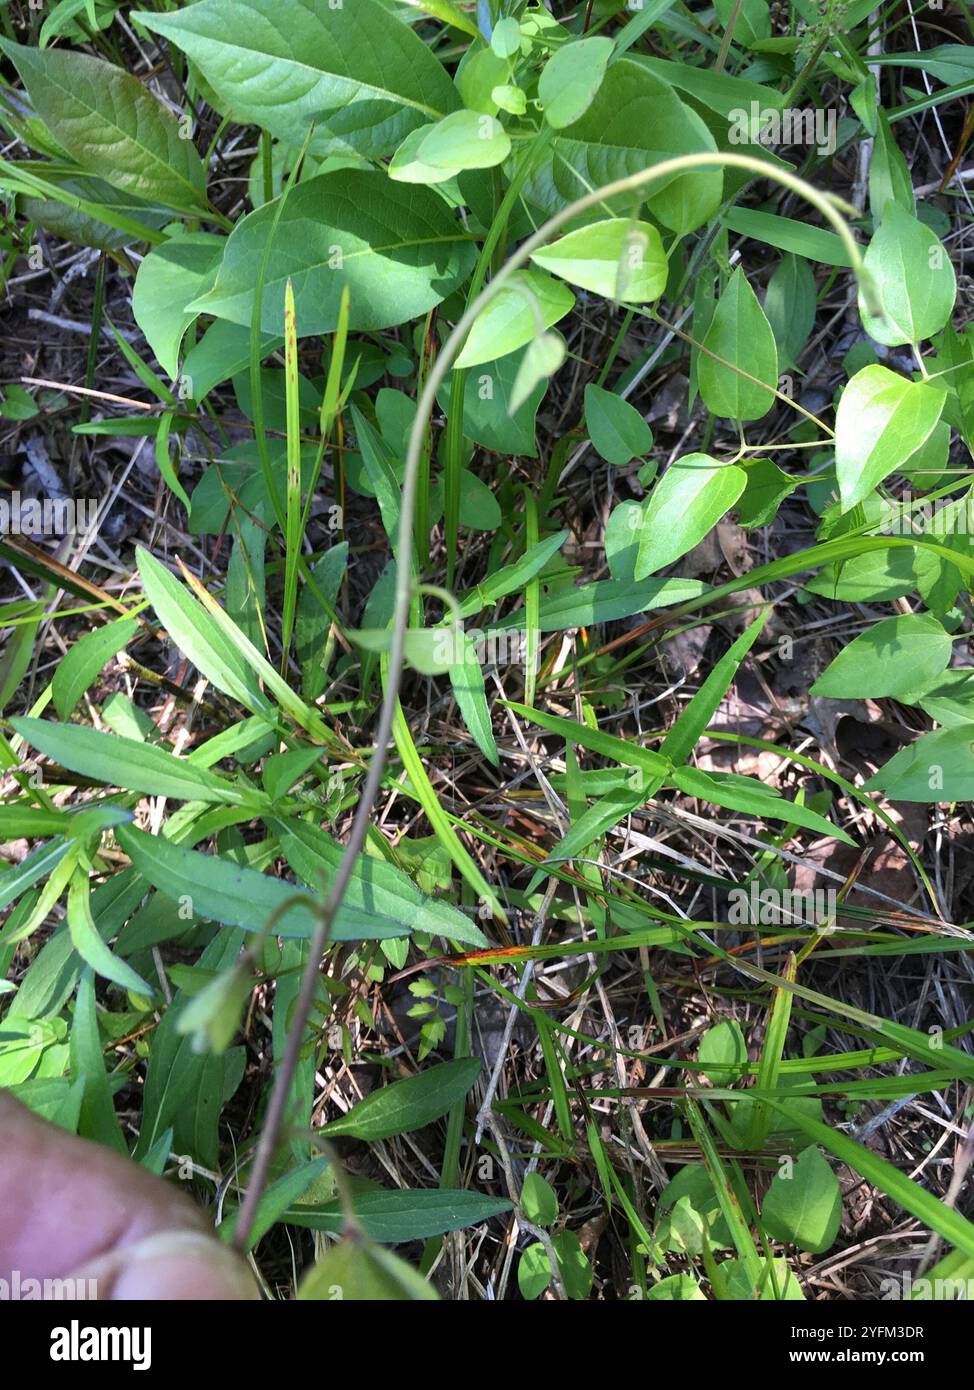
point(403, 593)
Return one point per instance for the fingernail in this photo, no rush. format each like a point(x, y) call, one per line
point(174, 1265)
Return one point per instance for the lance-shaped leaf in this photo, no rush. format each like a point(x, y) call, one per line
point(237, 896)
point(130, 764)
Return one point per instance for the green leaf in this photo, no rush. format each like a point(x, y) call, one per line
point(86, 940)
point(723, 1049)
point(375, 886)
point(526, 306)
point(882, 419)
point(690, 498)
point(407, 1105)
point(617, 258)
point(505, 41)
point(86, 659)
point(635, 121)
point(358, 72)
point(184, 1089)
point(937, 767)
point(223, 891)
point(109, 122)
point(97, 1119)
point(676, 1288)
point(882, 1175)
point(393, 1218)
point(804, 1208)
point(606, 601)
point(168, 278)
point(128, 763)
point(617, 430)
point(893, 658)
point(915, 280)
point(741, 337)
point(397, 247)
point(488, 395)
point(543, 356)
point(198, 636)
point(538, 1200)
point(464, 140)
point(571, 79)
point(790, 307)
point(788, 234)
point(355, 1270)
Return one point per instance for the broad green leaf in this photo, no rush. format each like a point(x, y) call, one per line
point(397, 247)
point(886, 1178)
point(741, 341)
point(487, 415)
point(915, 280)
point(525, 307)
point(803, 1205)
point(571, 79)
point(406, 165)
point(617, 430)
point(635, 121)
point(478, 74)
point(688, 501)
point(359, 1272)
point(893, 658)
point(85, 660)
point(538, 1200)
point(407, 1105)
point(752, 19)
point(876, 576)
point(465, 140)
point(937, 767)
point(676, 1288)
point(505, 40)
point(723, 1050)
point(364, 78)
point(882, 419)
point(111, 124)
point(767, 487)
point(169, 277)
point(223, 891)
point(618, 259)
point(128, 763)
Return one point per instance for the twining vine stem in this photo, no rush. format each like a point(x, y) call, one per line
point(828, 206)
